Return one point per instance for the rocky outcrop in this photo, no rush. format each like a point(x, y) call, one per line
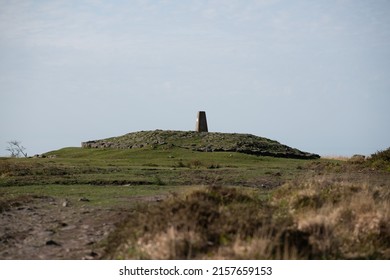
point(203, 142)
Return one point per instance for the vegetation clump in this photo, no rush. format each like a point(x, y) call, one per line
point(381, 159)
point(317, 218)
point(382, 155)
point(200, 224)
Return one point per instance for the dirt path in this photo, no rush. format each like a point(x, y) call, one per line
point(48, 228)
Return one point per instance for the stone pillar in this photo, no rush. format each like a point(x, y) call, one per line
point(201, 122)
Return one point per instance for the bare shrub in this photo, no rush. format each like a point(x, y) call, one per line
point(16, 149)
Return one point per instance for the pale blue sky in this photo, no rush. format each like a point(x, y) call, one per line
point(314, 75)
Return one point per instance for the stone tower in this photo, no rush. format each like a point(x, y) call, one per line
point(201, 122)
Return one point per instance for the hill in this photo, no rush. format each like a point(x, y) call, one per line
point(203, 142)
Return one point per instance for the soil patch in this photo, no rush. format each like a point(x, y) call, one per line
point(50, 228)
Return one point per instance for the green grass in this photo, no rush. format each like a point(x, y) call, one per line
point(112, 196)
point(110, 176)
point(146, 167)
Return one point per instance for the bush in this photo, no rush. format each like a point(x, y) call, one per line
point(204, 223)
point(195, 163)
point(315, 218)
point(381, 155)
point(380, 160)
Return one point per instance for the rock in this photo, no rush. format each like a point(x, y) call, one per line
point(52, 243)
point(93, 254)
point(357, 158)
point(39, 156)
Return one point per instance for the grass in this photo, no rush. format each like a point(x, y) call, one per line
point(220, 205)
point(344, 218)
point(303, 219)
point(99, 196)
point(145, 167)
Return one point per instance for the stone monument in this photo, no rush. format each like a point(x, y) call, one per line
point(201, 122)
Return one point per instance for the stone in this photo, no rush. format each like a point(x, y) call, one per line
point(52, 243)
point(201, 122)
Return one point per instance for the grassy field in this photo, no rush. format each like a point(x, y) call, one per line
point(183, 204)
point(76, 166)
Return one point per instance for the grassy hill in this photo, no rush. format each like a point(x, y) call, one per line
point(203, 142)
point(172, 166)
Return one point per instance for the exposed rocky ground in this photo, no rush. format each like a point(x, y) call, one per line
point(50, 228)
point(204, 142)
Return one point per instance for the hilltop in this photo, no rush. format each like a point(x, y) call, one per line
point(202, 142)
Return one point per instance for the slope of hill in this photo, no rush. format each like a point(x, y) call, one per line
point(204, 142)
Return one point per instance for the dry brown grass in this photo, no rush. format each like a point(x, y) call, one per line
point(344, 220)
point(336, 157)
point(319, 217)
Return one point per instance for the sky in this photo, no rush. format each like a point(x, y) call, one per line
point(314, 75)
